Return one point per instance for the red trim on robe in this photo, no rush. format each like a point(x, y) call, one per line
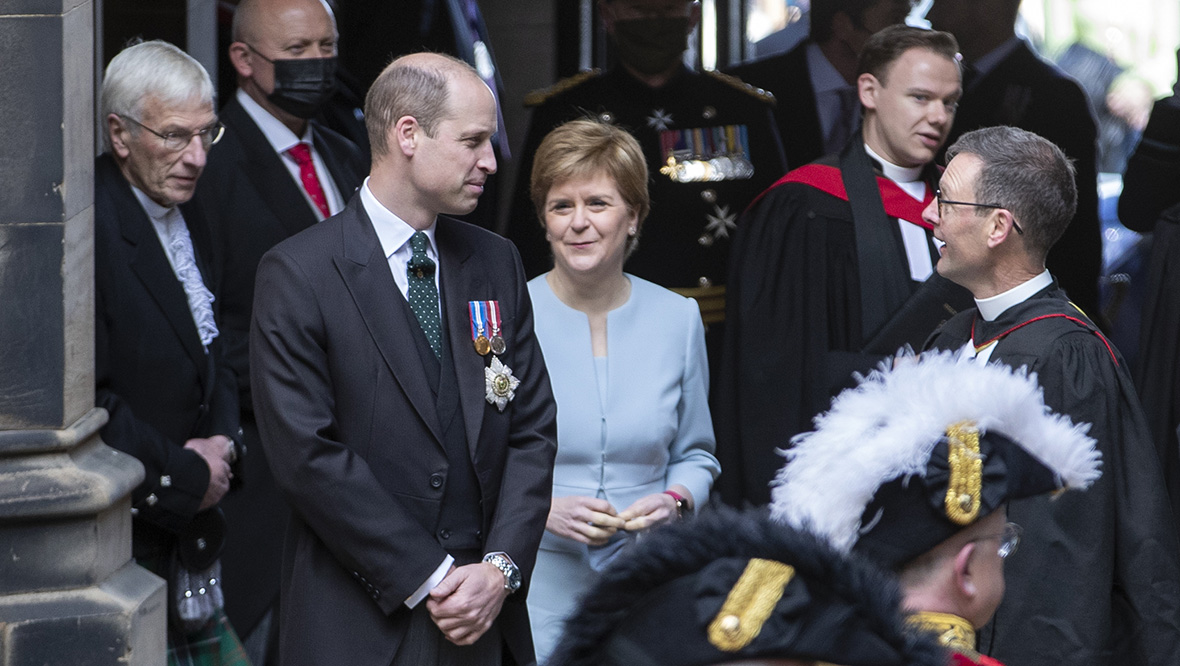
point(829, 179)
point(979, 347)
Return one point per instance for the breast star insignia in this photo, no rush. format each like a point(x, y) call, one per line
point(721, 222)
point(659, 120)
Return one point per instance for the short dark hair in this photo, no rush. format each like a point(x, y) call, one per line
point(823, 12)
point(1026, 174)
point(889, 44)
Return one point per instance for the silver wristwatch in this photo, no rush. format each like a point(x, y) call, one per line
point(504, 563)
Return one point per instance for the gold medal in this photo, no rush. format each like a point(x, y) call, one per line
point(482, 346)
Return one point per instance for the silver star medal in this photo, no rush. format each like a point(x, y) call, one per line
point(500, 387)
point(721, 222)
point(659, 120)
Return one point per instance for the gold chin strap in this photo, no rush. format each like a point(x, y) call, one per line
point(749, 604)
point(966, 473)
point(951, 631)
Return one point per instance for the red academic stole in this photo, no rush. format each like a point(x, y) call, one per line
point(959, 659)
point(830, 180)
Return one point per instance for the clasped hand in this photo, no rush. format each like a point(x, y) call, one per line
point(594, 521)
point(466, 602)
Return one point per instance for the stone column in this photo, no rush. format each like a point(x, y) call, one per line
point(69, 592)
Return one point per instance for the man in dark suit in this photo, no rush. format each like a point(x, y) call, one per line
point(274, 174)
point(158, 363)
point(1006, 83)
point(418, 469)
point(815, 82)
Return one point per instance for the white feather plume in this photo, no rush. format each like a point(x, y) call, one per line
point(888, 425)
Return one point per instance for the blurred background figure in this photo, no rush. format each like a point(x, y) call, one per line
point(628, 366)
point(731, 588)
point(784, 23)
point(1151, 203)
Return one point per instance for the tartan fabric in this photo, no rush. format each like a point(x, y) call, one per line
point(215, 645)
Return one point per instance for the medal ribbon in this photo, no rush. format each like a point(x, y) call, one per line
point(494, 316)
point(475, 309)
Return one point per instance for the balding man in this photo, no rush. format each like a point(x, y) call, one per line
point(419, 470)
point(274, 174)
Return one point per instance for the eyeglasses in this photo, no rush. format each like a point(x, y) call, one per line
point(1009, 539)
point(176, 141)
point(947, 202)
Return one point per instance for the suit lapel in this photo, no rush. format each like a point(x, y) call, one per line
point(151, 266)
point(346, 179)
point(365, 272)
point(268, 174)
point(460, 278)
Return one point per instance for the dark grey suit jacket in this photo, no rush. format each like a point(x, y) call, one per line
point(353, 437)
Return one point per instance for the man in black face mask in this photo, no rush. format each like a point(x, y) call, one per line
point(709, 140)
point(273, 174)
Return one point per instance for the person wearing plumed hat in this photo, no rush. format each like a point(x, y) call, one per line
point(914, 468)
point(738, 588)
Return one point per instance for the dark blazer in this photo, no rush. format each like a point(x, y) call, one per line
point(151, 372)
point(1025, 91)
point(354, 439)
point(787, 76)
point(252, 203)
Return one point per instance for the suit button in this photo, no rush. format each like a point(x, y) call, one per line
point(436, 480)
point(446, 534)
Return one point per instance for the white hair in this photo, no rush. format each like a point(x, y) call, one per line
point(150, 69)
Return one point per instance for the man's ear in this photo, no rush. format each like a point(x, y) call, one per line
point(964, 572)
point(406, 133)
point(239, 56)
point(867, 86)
point(1002, 226)
point(119, 134)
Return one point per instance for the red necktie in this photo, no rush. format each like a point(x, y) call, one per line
point(311, 183)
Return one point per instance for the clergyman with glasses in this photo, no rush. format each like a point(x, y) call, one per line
point(158, 365)
point(1098, 580)
point(921, 467)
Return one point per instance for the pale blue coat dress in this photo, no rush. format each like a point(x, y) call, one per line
point(629, 424)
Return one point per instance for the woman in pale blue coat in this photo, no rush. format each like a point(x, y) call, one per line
point(627, 362)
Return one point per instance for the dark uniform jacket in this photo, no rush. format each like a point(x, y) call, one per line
point(1097, 578)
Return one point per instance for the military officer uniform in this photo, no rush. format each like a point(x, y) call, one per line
point(711, 147)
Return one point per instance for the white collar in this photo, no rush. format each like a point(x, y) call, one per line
point(897, 174)
point(392, 231)
point(153, 209)
point(279, 136)
point(993, 307)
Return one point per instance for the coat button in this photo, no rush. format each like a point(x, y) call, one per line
point(436, 480)
point(446, 534)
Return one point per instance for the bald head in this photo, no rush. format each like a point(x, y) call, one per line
point(416, 85)
point(253, 16)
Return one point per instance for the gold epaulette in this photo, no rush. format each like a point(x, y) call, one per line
point(735, 82)
point(541, 95)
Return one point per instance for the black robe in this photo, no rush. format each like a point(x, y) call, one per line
point(1096, 581)
point(1151, 202)
point(811, 301)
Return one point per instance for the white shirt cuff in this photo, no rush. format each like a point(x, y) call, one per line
point(432, 582)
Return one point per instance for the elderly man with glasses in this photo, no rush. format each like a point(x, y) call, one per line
point(1099, 579)
point(158, 364)
point(916, 469)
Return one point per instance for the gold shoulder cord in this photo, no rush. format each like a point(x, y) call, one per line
point(966, 473)
point(749, 604)
point(951, 631)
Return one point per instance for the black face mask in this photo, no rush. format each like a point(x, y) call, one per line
point(302, 86)
point(652, 45)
